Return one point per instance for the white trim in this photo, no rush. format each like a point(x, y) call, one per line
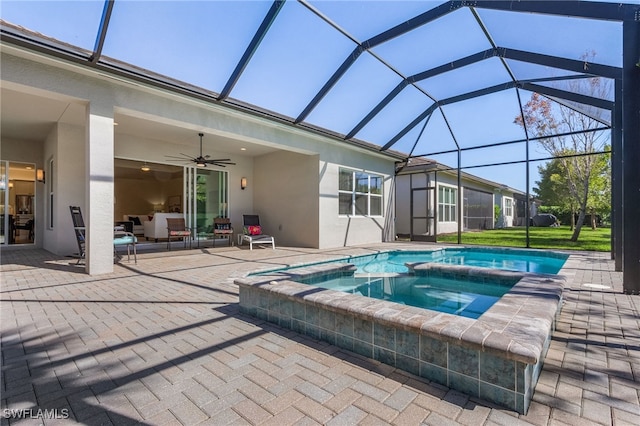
point(449, 205)
point(355, 193)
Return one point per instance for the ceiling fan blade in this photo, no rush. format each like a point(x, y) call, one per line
point(220, 161)
point(201, 160)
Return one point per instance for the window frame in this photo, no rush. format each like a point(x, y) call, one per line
point(508, 208)
point(447, 204)
point(358, 190)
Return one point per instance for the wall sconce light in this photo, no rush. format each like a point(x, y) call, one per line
point(40, 175)
point(243, 183)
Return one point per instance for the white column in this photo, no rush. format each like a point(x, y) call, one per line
point(98, 216)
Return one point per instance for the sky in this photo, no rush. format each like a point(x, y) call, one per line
point(200, 42)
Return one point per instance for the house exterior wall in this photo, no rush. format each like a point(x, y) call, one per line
point(66, 146)
point(286, 197)
point(339, 230)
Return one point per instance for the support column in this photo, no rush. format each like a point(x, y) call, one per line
point(631, 154)
point(617, 236)
point(98, 216)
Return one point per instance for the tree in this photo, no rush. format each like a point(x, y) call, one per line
point(599, 201)
point(581, 171)
point(551, 190)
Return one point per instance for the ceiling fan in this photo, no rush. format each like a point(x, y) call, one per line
point(202, 161)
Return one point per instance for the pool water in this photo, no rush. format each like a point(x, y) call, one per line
point(467, 299)
point(511, 260)
point(385, 276)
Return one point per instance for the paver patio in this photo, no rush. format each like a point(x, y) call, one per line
point(163, 342)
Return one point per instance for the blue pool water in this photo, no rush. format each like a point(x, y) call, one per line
point(511, 260)
point(385, 276)
point(439, 294)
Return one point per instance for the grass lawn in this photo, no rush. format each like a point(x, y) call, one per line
point(557, 238)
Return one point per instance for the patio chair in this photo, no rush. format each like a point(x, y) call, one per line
point(252, 232)
point(120, 237)
point(176, 228)
point(123, 238)
point(79, 229)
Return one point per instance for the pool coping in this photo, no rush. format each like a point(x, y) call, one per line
point(517, 326)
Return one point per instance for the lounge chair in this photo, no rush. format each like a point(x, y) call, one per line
point(252, 232)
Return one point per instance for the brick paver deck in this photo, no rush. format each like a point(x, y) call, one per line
point(163, 342)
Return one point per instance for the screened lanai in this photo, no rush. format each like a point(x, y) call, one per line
point(428, 79)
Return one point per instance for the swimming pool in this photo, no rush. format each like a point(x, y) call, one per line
point(391, 276)
point(506, 259)
point(497, 356)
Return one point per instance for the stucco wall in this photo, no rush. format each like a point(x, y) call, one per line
point(341, 231)
point(286, 197)
point(69, 185)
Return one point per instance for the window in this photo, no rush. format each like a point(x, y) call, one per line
point(508, 207)
point(359, 194)
point(447, 202)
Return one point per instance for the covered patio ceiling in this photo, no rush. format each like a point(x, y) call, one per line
point(424, 78)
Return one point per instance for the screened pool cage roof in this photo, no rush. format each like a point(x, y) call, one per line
point(420, 78)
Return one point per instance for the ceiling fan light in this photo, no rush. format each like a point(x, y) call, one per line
point(201, 164)
point(145, 167)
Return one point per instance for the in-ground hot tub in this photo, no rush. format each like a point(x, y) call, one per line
point(496, 357)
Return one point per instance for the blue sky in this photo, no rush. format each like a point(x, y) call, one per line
point(200, 42)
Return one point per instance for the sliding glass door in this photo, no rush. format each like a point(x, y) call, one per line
point(206, 197)
point(17, 202)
